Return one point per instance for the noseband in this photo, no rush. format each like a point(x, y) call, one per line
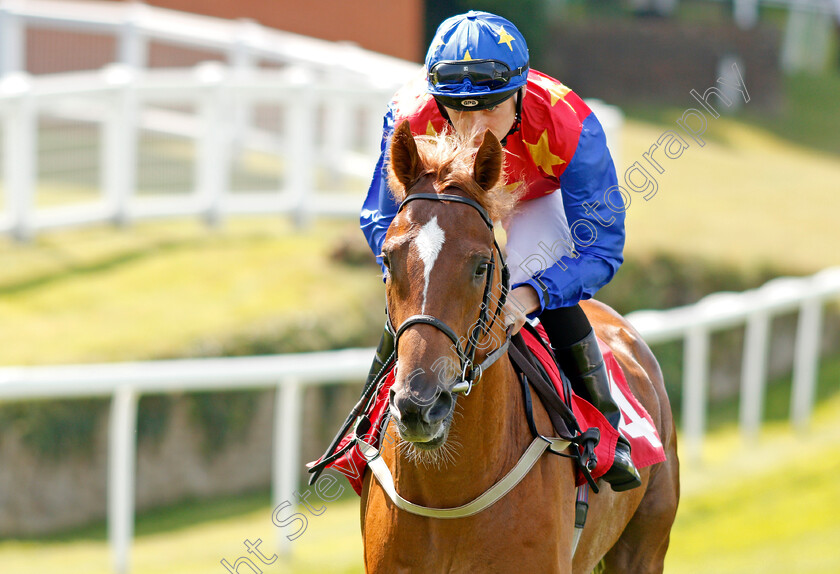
point(470, 373)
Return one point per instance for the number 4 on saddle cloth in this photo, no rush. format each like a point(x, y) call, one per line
point(636, 424)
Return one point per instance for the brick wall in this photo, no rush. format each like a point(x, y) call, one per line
point(394, 28)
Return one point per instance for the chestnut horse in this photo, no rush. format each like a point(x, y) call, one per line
point(446, 452)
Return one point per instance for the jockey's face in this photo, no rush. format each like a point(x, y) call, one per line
point(498, 120)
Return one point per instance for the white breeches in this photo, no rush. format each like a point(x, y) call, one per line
point(537, 236)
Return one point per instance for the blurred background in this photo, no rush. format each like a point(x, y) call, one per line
point(181, 183)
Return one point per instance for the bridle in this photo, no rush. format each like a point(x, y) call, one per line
point(470, 373)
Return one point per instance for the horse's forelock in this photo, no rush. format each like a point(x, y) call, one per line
point(450, 159)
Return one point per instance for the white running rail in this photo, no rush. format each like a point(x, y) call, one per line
point(288, 374)
point(330, 98)
point(307, 80)
point(210, 107)
point(119, 104)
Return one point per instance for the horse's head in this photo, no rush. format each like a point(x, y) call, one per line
point(444, 282)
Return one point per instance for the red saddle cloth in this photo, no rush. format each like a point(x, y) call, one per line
point(636, 424)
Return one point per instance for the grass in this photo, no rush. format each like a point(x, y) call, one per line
point(777, 400)
point(104, 295)
point(761, 192)
point(194, 538)
point(747, 198)
point(805, 119)
point(772, 508)
point(807, 116)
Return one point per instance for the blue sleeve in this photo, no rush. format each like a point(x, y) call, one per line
point(584, 185)
point(379, 208)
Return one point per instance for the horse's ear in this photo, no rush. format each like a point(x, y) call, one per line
point(488, 161)
point(404, 159)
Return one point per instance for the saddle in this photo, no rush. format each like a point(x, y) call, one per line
point(573, 417)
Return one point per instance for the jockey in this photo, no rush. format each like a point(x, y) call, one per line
point(565, 239)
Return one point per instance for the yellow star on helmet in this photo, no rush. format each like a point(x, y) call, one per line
point(467, 56)
point(436, 43)
point(542, 156)
point(557, 90)
point(505, 38)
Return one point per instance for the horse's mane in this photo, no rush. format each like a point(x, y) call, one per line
point(449, 158)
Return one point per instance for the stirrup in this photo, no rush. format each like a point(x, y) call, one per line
point(623, 474)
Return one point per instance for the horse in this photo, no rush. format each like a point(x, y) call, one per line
point(444, 450)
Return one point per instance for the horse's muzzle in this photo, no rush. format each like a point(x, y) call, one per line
point(420, 419)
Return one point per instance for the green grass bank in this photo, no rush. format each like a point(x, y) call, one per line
point(770, 508)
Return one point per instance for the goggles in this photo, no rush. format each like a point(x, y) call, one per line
point(491, 74)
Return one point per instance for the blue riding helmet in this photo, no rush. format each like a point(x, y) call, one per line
point(476, 61)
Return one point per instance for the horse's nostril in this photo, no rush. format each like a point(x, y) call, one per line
point(439, 409)
point(407, 407)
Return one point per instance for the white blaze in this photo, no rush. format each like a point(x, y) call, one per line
point(429, 242)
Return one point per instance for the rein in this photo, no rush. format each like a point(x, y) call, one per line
point(470, 373)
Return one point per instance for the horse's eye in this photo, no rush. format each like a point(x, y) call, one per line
point(482, 269)
point(386, 262)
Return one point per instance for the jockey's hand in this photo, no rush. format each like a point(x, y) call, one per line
point(520, 302)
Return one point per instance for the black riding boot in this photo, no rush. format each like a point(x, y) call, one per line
point(383, 353)
point(584, 365)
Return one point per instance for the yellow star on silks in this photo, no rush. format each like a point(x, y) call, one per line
point(467, 56)
point(541, 153)
point(557, 90)
point(511, 187)
point(436, 43)
point(505, 38)
point(430, 129)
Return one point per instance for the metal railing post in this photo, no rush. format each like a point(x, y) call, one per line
point(12, 40)
point(122, 445)
point(213, 161)
point(286, 459)
point(133, 45)
point(300, 146)
point(695, 375)
point(118, 152)
point(806, 361)
point(373, 128)
point(243, 61)
point(754, 373)
point(336, 130)
point(20, 154)
point(612, 122)
point(745, 13)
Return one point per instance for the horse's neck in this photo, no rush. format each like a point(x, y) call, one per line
point(488, 434)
